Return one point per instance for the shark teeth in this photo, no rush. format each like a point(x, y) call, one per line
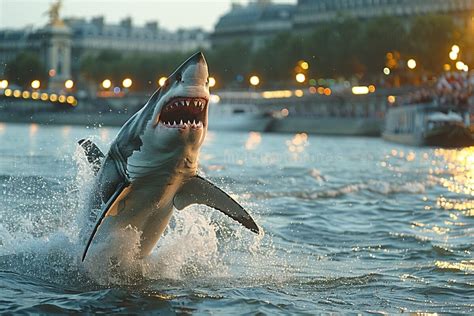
point(182, 124)
point(184, 112)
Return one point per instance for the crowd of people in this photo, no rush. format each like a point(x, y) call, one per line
point(452, 88)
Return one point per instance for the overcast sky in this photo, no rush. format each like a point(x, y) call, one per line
point(171, 14)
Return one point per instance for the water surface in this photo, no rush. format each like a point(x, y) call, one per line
point(351, 224)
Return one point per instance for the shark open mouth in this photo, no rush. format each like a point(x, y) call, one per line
point(184, 112)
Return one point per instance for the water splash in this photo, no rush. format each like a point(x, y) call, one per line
point(196, 245)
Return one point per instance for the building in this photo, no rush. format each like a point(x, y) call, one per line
point(312, 12)
point(253, 24)
point(62, 44)
point(261, 20)
point(96, 35)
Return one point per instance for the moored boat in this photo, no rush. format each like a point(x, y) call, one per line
point(429, 124)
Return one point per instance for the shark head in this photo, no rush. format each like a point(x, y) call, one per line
point(181, 108)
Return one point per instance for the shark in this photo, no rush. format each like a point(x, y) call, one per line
point(151, 167)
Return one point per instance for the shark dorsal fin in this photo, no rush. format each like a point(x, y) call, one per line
point(93, 154)
point(200, 191)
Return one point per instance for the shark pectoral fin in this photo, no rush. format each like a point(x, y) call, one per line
point(200, 191)
point(93, 153)
point(110, 209)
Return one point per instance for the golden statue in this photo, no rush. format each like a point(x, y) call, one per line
point(53, 13)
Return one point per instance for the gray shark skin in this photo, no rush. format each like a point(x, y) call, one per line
point(152, 164)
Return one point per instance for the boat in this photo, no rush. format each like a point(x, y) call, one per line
point(287, 111)
point(429, 124)
point(238, 117)
point(436, 116)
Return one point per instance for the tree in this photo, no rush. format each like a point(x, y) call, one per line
point(25, 68)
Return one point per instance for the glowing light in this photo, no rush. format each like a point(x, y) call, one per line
point(277, 94)
point(313, 90)
point(3, 84)
point(391, 99)
point(411, 63)
point(52, 72)
point(466, 68)
point(214, 98)
point(33, 129)
point(116, 90)
point(300, 78)
point(35, 95)
point(212, 82)
point(53, 97)
point(106, 84)
point(69, 84)
point(35, 84)
point(284, 112)
point(371, 88)
point(253, 140)
point(298, 143)
point(327, 92)
point(127, 83)
point(8, 92)
point(321, 90)
point(162, 81)
point(386, 71)
point(254, 81)
point(460, 65)
point(25, 94)
point(447, 67)
point(453, 55)
point(360, 90)
point(70, 99)
point(44, 96)
point(304, 65)
point(62, 98)
point(455, 49)
point(17, 93)
point(299, 93)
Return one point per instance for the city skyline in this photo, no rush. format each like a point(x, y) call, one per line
point(171, 15)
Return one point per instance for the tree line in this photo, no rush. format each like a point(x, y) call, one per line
point(345, 48)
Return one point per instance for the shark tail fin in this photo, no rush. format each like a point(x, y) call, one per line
point(200, 191)
point(93, 154)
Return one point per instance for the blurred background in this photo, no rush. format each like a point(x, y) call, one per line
point(267, 58)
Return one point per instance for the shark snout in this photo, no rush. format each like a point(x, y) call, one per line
point(195, 71)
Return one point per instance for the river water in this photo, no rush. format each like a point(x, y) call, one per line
point(351, 224)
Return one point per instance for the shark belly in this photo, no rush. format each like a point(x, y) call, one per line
point(145, 206)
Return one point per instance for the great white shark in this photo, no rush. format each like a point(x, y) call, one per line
point(152, 164)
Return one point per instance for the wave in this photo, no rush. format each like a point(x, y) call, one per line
point(373, 186)
point(44, 238)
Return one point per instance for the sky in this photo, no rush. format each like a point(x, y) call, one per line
point(171, 14)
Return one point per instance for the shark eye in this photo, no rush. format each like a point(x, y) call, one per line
point(179, 78)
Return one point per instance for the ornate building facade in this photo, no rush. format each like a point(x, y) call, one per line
point(61, 44)
point(262, 19)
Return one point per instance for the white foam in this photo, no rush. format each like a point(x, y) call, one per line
point(198, 244)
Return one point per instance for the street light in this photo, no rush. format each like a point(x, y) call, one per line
point(304, 65)
point(106, 84)
point(69, 84)
point(455, 49)
point(453, 55)
point(212, 82)
point(386, 71)
point(254, 81)
point(300, 78)
point(3, 84)
point(127, 83)
point(162, 81)
point(460, 65)
point(35, 84)
point(411, 63)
